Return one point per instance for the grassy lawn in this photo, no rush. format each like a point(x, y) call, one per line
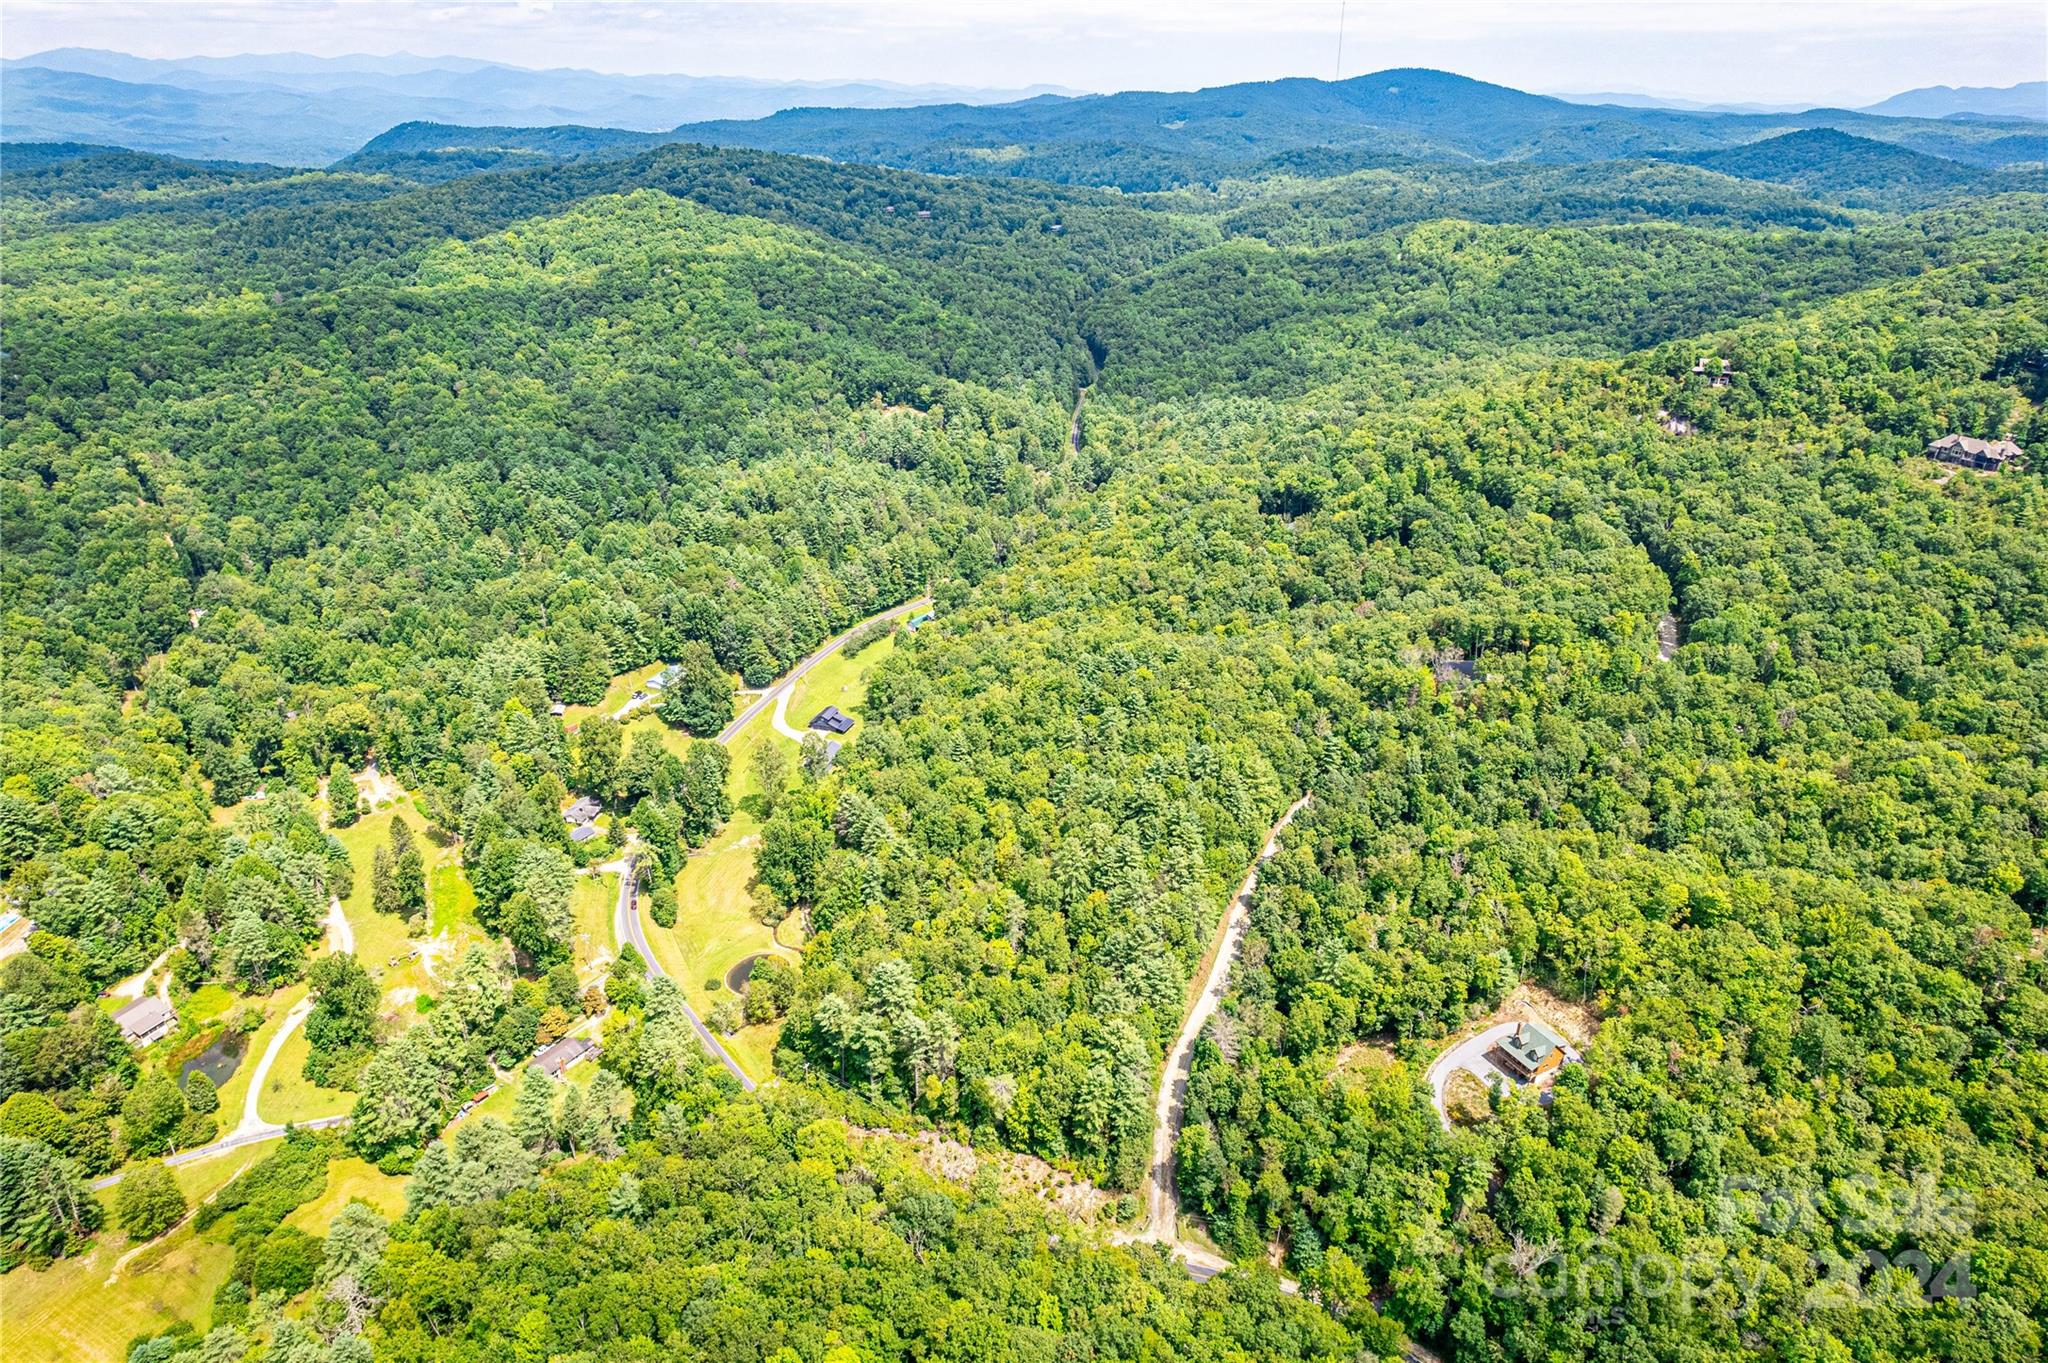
point(381, 937)
point(591, 903)
point(350, 1180)
point(451, 903)
point(840, 681)
point(237, 1085)
point(288, 1096)
point(207, 1003)
point(69, 1312)
point(617, 693)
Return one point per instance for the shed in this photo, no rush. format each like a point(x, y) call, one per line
point(558, 709)
point(553, 1060)
point(584, 832)
point(832, 747)
point(831, 720)
point(145, 1020)
point(582, 812)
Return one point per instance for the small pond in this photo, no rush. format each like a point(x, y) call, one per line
point(736, 978)
point(219, 1060)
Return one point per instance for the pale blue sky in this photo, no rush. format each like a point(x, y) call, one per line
point(1793, 51)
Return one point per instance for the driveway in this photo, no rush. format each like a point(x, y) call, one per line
point(1469, 1056)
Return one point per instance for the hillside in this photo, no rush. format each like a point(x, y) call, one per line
point(2028, 99)
point(619, 748)
point(1148, 140)
point(301, 110)
point(1860, 173)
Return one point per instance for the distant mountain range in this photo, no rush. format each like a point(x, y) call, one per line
point(1145, 140)
point(409, 115)
point(295, 109)
point(2028, 100)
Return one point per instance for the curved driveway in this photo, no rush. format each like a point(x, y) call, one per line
point(626, 913)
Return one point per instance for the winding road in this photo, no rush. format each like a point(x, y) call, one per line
point(1162, 1198)
point(626, 924)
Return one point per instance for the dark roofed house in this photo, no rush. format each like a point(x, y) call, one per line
point(145, 1020)
point(1971, 453)
point(582, 812)
point(1529, 1052)
point(830, 720)
point(554, 1059)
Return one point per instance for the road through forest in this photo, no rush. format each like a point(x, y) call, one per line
point(626, 913)
point(1162, 1198)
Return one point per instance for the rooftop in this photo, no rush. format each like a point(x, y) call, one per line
point(830, 720)
point(552, 1060)
point(145, 1020)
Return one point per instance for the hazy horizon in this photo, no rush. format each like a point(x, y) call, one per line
point(1793, 54)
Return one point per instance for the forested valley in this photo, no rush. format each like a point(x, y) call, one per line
point(1565, 533)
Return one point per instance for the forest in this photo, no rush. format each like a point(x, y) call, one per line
point(1565, 533)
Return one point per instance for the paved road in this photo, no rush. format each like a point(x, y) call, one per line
point(233, 1142)
point(626, 923)
point(1162, 1198)
point(626, 913)
point(832, 646)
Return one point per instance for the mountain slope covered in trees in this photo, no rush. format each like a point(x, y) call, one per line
point(1692, 696)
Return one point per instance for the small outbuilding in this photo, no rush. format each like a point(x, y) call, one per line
point(831, 720)
point(147, 1019)
point(582, 812)
point(667, 677)
point(553, 1060)
point(584, 832)
point(558, 709)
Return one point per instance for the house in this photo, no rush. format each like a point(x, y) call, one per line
point(1971, 453)
point(145, 1020)
point(553, 1060)
point(1529, 1052)
point(584, 832)
point(667, 677)
point(830, 720)
point(917, 620)
point(1718, 372)
point(582, 812)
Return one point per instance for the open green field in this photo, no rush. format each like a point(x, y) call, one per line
point(616, 693)
point(288, 1096)
point(382, 937)
point(840, 681)
point(591, 904)
point(70, 1312)
point(236, 1086)
point(350, 1180)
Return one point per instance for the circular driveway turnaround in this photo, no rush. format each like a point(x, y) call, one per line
point(1469, 1057)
